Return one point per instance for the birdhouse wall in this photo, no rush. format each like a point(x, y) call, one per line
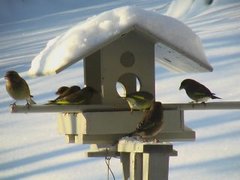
point(131, 56)
point(125, 60)
point(108, 127)
point(92, 75)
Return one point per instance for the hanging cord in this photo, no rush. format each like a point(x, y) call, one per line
point(107, 161)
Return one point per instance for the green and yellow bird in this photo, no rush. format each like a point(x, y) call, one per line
point(63, 92)
point(17, 87)
point(140, 100)
point(82, 96)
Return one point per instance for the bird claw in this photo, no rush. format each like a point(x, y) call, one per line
point(192, 103)
point(13, 104)
point(155, 140)
point(131, 111)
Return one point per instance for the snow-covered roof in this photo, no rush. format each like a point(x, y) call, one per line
point(178, 47)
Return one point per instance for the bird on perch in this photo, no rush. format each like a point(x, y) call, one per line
point(18, 88)
point(82, 96)
point(61, 90)
point(62, 93)
point(151, 123)
point(140, 100)
point(197, 91)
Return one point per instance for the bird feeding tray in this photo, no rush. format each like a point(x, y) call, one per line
point(105, 124)
point(98, 124)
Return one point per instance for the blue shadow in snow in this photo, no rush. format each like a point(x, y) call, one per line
point(215, 120)
point(47, 169)
point(226, 164)
point(39, 157)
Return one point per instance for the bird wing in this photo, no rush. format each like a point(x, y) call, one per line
point(145, 125)
point(138, 97)
point(200, 90)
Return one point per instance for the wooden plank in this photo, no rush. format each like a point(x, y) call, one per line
point(65, 108)
point(123, 122)
point(114, 138)
point(146, 147)
point(223, 105)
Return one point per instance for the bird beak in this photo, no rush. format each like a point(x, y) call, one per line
point(180, 88)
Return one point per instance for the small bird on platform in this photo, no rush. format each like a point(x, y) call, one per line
point(61, 90)
point(18, 88)
point(140, 100)
point(152, 122)
point(196, 91)
point(82, 96)
point(62, 93)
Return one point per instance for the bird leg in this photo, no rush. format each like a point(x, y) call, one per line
point(13, 106)
point(204, 103)
point(193, 103)
point(155, 140)
point(28, 106)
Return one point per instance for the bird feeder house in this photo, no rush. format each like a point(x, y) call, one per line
point(121, 46)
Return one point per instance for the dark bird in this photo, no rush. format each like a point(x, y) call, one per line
point(17, 87)
point(196, 91)
point(152, 122)
point(82, 96)
point(61, 90)
point(140, 100)
point(65, 93)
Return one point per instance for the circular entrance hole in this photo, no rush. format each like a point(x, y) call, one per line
point(127, 83)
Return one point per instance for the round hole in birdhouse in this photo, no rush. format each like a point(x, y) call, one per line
point(127, 83)
point(120, 89)
point(127, 59)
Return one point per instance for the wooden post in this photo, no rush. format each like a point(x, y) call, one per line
point(125, 160)
point(145, 161)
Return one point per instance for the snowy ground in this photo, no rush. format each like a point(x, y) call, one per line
point(31, 148)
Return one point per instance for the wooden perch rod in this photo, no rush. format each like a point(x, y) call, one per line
point(103, 108)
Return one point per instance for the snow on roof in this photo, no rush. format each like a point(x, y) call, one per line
point(97, 31)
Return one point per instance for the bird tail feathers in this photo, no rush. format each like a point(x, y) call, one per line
point(30, 101)
point(215, 97)
point(51, 102)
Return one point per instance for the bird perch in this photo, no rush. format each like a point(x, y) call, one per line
point(228, 105)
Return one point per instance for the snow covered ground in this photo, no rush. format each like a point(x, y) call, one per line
point(30, 146)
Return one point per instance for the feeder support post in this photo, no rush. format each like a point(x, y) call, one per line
point(146, 161)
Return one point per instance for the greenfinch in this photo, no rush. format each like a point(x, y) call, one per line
point(140, 100)
point(61, 90)
point(196, 91)
point(82, 96)
point(62, 93)
point(17, 87)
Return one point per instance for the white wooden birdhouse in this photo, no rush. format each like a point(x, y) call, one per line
point(121, 46)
